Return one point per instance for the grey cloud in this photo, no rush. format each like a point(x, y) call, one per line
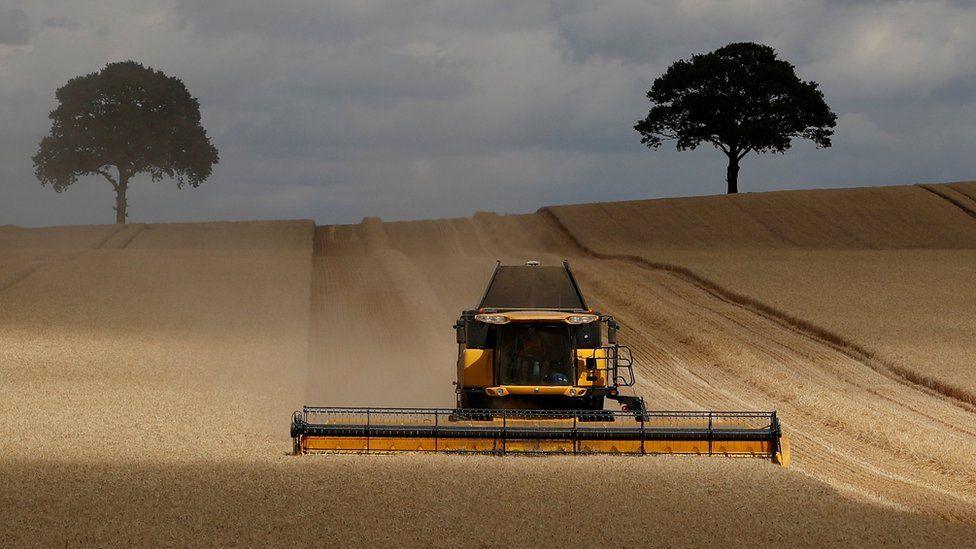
point(14, 27)
point(377, 73)
point(61, 22)
point(342, 21)
point(409, 108)
point(958, 90)
point(658, 32)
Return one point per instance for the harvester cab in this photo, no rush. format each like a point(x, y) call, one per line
point(532, 343)
point(535, 366)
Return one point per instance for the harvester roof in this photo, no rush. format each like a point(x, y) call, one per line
point(533, 286)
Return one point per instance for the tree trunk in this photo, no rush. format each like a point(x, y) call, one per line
point(732, 174)
point(120, 202)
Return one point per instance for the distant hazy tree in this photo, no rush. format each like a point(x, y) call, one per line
point(121, 121)
point(740, 98)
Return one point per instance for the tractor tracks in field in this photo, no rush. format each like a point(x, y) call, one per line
point(29, 271)
point(961, 188)
point(859, 423)
point(954, 196)
point(101, 242)
point(129, 238)
point(957, 396)
point(852, 427)
point(21, 275)
point(119, 238)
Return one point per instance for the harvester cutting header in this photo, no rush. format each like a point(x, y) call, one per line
point(535, 366)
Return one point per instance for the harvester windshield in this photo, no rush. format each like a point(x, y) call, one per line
point(531, 354)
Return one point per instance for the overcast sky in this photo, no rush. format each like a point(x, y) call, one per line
point(411, 109)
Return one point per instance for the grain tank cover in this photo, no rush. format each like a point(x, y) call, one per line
point(532, 287)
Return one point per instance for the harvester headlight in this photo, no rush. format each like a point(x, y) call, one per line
point(500, 392)
point(581, 319)
point(572, 392)
point(492, 319)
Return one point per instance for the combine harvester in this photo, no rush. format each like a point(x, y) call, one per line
point(534, 368)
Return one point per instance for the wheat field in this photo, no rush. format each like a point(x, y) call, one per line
point(880, 270)
point(148, 375)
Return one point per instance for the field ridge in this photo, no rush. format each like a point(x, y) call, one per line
point(854, 350)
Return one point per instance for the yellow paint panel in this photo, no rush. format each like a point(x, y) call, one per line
point(756, 448)
point(403, 444)
point(610, 446)
point(535, 390)
point(528, 316)
point(311, 444)
point(398, 444)
point(760, 449)
point(601, 373)
point(469, 445)
point(539, 446)
point(475, 367)
point(784, 457)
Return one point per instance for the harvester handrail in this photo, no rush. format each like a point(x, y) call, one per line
point(531, 412)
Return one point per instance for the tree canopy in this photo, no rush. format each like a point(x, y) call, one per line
point(121, 121)
point(739, 98)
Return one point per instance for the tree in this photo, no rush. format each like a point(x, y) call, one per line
point(740, 98)
point(121, 121)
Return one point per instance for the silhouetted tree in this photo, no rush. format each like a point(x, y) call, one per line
point(130, 118)
point(740, 98)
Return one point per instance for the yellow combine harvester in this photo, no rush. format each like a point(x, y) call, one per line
point(534, 369)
